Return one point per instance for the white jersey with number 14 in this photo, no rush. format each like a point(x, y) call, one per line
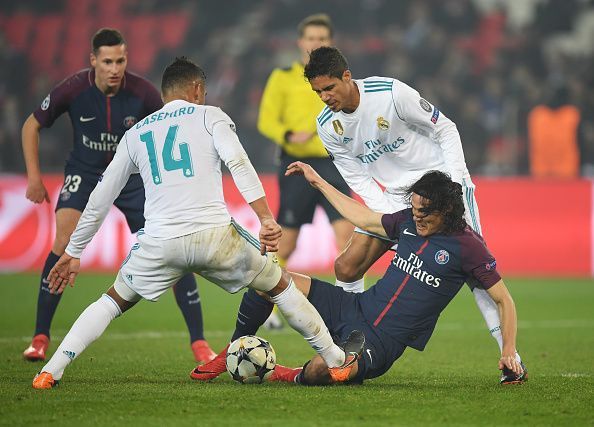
point(177, 151)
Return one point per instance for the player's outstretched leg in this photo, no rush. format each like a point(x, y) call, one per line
point(316, 372)
point(301, 315)
point(46, 308)
point(188, 301)
point(274, 321)
point(353, 347)
point(285, 374)
point(89, 326)
point(253, 312)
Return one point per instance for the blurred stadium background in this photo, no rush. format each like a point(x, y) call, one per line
point(490, 65)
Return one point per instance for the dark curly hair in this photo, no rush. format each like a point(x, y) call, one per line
point(325, 61)
point(444, 197)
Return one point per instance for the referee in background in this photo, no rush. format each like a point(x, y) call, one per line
point(287, 117)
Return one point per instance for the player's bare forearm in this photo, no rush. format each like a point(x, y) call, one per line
point(349, 208)
point(509, 322)
point(261, 208)
point(30, 142)
point(36, 191)
point(270, 231)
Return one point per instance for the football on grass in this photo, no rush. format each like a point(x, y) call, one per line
point(250, 359)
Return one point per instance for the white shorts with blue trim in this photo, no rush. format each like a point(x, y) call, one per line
point(227, 256)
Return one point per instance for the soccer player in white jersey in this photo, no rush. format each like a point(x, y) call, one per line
point(380, 131)
point(178, 152)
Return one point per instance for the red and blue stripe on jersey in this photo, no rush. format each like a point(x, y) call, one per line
point(424, 276)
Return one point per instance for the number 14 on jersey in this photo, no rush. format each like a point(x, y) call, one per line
point(169, 163)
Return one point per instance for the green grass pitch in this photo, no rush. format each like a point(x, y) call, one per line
point(137, 373)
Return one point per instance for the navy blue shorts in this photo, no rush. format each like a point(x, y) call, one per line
point(342, 314)
point(78, 185)
point(298, 199)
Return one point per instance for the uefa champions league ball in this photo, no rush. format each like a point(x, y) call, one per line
point(250, 359)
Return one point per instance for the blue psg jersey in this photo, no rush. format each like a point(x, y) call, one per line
point(98, 121)
point(424, 276)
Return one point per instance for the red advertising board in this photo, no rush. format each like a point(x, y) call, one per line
point(534, 228)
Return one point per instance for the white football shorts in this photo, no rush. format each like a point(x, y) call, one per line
point(227, 256)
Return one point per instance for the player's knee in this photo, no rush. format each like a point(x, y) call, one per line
point(280, 286)
point(271, 277)
point(347, 271)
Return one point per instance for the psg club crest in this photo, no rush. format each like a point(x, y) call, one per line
point(442, 257)
point(129, 122)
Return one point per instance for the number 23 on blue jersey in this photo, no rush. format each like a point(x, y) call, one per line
point(184, 162)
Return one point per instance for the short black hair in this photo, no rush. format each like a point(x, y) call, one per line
point(325, 61)
point(106, 37)
point(179, 73)
point(443, 196)
point(319, 20)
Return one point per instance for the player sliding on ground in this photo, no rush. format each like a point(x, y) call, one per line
point(437, 252)
point(178, 152)
point(378, 130)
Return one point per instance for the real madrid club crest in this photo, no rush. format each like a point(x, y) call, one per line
point(338, 127)
point(382, 123)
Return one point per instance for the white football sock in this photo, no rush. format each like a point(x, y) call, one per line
point(490, 313)
point(357, 286)
point(303, 317)
point(88, 327)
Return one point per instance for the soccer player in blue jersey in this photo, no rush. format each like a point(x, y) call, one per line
point(103, 102)
point(437, 253)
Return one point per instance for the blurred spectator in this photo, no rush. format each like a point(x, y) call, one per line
point(502, 54)
point(553, 131)
point(13, 88)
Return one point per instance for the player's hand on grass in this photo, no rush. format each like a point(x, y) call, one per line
point(270, 234)
point(64, 273)
point(509, 361)
point(36, 192)
point(300, 137)
point(300, 168)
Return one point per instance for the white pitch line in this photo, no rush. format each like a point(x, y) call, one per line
point(121, 336)
point(575, 375)
point(447, 326)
